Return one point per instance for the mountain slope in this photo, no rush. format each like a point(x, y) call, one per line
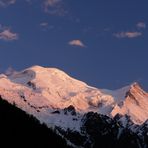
point(47, 92)
point(135, 104)
point(18, 129)
point(80, 113)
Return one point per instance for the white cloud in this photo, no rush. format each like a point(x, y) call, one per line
point(76, 43)
point(127, 34)
point(7, 35)
point(5, 3)
point(141, 25)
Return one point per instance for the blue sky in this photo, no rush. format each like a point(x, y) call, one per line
point(101, 42)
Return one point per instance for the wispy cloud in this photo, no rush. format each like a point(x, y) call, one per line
point(7, 35)
point(76, 43)
point(51, 3)
point(127, 34)
point(4, 3)
point(51, 7)
point(141, 25)
point(54, 7)
point(44, 24)
point(29, 1)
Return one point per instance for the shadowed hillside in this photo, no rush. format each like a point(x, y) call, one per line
point(18, 129)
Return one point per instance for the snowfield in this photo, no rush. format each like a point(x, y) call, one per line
point(46, 92)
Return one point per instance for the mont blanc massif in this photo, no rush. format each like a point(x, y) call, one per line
point(45, 107)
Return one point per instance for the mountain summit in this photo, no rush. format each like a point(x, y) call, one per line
point(135, 104)
point(54, 97)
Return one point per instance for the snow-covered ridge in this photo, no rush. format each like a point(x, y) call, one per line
point(45, 92)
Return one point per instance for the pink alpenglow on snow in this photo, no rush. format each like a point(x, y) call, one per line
point(50, 89)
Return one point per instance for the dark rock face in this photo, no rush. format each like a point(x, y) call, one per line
point(31, 84)
point(127, 120)
point(56, 112)
point(70, 109)
point(142, 132)
point(100, 131)
point(104, 132)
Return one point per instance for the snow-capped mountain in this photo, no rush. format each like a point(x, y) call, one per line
point(48, 92)
point(78, 112)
